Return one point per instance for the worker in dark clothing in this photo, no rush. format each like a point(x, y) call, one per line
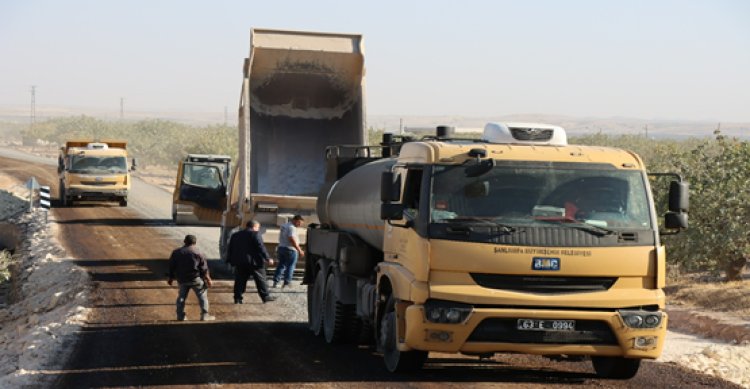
point(249, 256)
point(189, 267)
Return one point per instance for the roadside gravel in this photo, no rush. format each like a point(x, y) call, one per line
point(43, 307)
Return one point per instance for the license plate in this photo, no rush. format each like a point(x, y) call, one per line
point(546, 325)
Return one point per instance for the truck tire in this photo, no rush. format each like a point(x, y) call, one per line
point(334, 314)
point(397, 361)
point(618, 368)
point(62, 195)
point(315, 293)
point(124, 202)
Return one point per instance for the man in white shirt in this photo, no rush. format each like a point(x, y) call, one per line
point(288, 251)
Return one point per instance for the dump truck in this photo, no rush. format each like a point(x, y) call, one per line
point(301, 91)
point(200, 192)
point(92, 170)
point(513, 243)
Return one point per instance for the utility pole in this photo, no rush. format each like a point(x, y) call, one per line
point(226, 116)
point(32, 113)
point(122, 107)
point(401, 126)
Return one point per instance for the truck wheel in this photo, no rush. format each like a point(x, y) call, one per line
point(124, 202)
point(62, 195)
point(615, 367)
point(315, 293)
point(334, 314)
point(397, 361)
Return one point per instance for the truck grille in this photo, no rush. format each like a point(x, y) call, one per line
point(504, 330)
point(546, 284)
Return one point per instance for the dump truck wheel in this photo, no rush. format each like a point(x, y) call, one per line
point(397, 361)
point(334, 314)
point(315, 293)
point(124, 202)
point(615, 367)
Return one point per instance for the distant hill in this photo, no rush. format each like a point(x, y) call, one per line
point(392, 123)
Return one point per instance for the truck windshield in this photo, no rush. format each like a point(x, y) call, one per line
point(98, 165)
point(205, 175)
point(520, 194)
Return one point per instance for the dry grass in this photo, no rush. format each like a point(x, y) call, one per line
point(710, 293)
point(161, 176)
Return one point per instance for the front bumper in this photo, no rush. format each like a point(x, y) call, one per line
point(92, 192)
point(490, 330)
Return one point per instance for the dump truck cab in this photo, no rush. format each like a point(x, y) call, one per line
point(92, 170)
point(199, 196)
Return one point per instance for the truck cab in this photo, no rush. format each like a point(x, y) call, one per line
point(199, 196)
point(92, 170)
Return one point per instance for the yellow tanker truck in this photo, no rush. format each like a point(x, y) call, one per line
point(91, 170)
point(515, 243)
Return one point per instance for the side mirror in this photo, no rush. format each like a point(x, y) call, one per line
point(391, 211)
point(675, 220)
point(390, 187)
point(60, 164)
point(678, 196)
point(133, 165)
point(677, 217)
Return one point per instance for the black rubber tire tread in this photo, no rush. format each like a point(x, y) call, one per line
point(315, 303)
point(397, 361)
point(63, 196)
point(617, 368)
point(334, 315)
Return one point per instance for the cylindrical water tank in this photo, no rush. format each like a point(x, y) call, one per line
point(352, 203)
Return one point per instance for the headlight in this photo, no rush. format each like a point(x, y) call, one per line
point(640, 319)
point(437, 311)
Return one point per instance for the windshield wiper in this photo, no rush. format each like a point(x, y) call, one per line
point(469, 220)
point(579, 225)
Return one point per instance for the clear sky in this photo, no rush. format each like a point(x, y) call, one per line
point(650, 59)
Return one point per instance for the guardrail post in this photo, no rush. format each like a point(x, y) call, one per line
point(45, 201)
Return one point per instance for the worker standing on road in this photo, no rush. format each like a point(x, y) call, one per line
point(249, 256)
point(288, 251)
point(189, 267)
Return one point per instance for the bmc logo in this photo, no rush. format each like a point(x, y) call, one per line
point(541, 263)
